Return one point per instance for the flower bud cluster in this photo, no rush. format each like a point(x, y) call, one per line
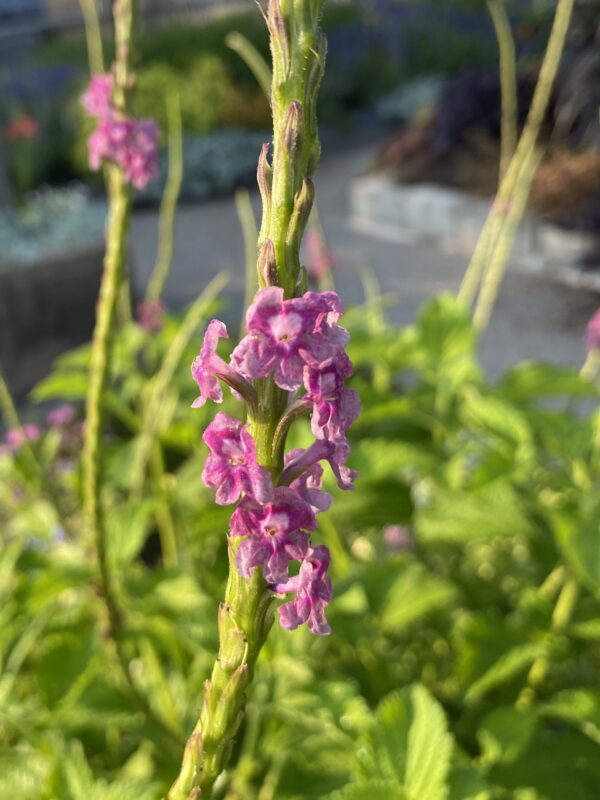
point(130, 143)
point(299, 345)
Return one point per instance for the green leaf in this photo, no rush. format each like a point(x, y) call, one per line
point(415, 594)
point(577, 535)
point(409, 741)
point(493, 510)
point(466, 783)
point(505, 428)
point(70, 385)
point(531, 379)
point(372, 790)
point(127, 527)
point(579, 707)
point(509, 665)
point(505, 733)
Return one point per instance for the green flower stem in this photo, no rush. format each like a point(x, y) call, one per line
point(508, 82)
point(245, 617)
point(119, 196)
point(493, 228)
point(93, 35)
point(299, 48)
point(561, 619)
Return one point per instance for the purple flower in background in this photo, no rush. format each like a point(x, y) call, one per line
point(274, 533)
point(397, 538)
point(232, 468)
point(285, 335)
point(149, 315)
point(313, 593)
point(131, 144)
point(593, 332)
point(61, 416)
point(16, 437)
point(209, 368)
point(139, 155)
point(97, 97)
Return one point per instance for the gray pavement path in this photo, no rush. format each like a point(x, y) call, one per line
point(534, 317)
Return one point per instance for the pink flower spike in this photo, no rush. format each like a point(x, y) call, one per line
point(232, 468)
point(97, 97)
point(593, 332)
point(313, 593)
point(208, 368)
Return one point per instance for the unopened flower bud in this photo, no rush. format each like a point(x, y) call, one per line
point(292, 129)
point(267, 268)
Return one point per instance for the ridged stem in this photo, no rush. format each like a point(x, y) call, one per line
point(493, 227)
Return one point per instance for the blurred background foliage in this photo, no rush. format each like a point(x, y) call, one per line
point(466, 645)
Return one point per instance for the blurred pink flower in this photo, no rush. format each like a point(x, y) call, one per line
point(16, 437)
point(320, 259)
point(149, 315)
point(61, 416)
point(397, 538)
point(593, 332)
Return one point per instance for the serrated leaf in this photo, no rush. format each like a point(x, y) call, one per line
point(409, 742)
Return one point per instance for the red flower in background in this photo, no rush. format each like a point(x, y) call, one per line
point(22, 127)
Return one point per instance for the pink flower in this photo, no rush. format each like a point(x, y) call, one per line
point(97, 97)
point(397, 538)
point(313, 593)
point(209, 368)
point(149, 315)
point(232, 468)
point(320, 259)
point(593, 332)
point(61, 416)
point(16, 437)
point(285, 335)
point(335, 407)
point(274, 533)
point(305, 474)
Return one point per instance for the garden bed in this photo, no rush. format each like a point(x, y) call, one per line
point(45, 307)
point(452, 219)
